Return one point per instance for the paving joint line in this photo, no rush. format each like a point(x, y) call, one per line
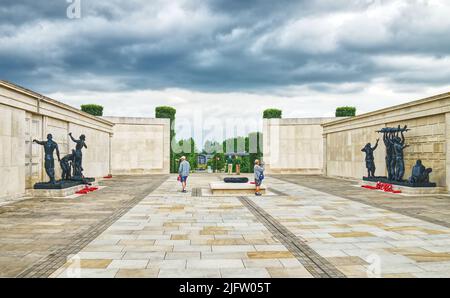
point(196, 192)
point(277, 192)
point(317, 265)
point(59, 257)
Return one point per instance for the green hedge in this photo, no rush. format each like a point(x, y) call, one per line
point(169, 112)
point(165, 112)
point(345, 111)
point(93, 109)
point(272, 113)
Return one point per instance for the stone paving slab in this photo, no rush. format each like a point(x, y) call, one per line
point(316, 265)
point(432, 208)
point(179, 235)
point(143, 226)
point(356, 237)
point(37, 235)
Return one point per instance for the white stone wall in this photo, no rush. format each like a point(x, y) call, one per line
point(96, 157)
point(140, 145)
point(12, 152)
point(293, 145)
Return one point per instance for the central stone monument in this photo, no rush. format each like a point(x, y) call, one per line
point(235, 179)
point(71, 165)
point(394, 140)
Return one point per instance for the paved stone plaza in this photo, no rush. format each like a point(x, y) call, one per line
point(306, 226)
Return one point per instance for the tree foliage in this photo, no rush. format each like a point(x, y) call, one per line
point(169, 112)
point(250, 147)
point(188, 149)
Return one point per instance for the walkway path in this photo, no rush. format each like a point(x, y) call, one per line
point(295, 232)
point(37, 235)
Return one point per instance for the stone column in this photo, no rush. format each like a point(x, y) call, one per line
point(110, 154)
point(266, 144)
point(447, 151)
point(324, 158)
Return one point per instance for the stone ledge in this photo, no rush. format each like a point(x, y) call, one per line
point(293, 171)
point(11, 198)
point(56, 193)
point(234, 188)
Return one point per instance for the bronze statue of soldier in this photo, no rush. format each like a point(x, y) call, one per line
point(420, 174)
point(370, 164)
point(50, 147)
point(390, 161)
point(78, 156)
point(398, 144)
point(66, 166)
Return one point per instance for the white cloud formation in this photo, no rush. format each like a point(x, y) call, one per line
point(243, 111)
point(227, 57)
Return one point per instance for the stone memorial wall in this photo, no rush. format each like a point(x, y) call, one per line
point(428, 121)
point(26, 115)
point(332, 146)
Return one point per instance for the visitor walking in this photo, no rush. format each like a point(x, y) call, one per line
point(259, 176)
point(183, 172)
point(230, 165)
point(237, 161)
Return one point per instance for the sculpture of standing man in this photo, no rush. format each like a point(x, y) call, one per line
point(49, 162)
point(78, 156)
point(370, 164)
point(398, 147)
point(390, 160)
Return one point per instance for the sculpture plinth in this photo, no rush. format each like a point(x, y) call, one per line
point(401, 183)
point(394, 140)
point(62, 184)
point(71, 165)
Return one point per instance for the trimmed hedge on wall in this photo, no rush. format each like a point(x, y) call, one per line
point(169, 112)
point(345, 111)
point(165, 112)
point(93, 109)
point(272, 113)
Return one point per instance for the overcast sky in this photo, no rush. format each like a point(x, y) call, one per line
point(228, 58)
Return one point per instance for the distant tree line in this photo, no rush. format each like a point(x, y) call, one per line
point(169, 113)
point(247, 149)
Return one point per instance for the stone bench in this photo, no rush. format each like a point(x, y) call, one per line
point(222, 188)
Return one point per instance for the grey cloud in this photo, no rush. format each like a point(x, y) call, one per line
point(218, 45)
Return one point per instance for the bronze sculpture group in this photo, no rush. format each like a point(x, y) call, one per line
point(394, 140)
point(71, 164)
point(395, 144)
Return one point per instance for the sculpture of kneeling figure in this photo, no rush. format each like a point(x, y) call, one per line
point(420, 174)
point(66, 165)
